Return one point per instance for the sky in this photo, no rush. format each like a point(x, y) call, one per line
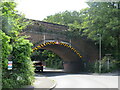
point(40, 9)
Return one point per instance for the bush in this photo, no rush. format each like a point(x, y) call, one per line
point(113, 65)
point(22, 64)
point(15, 48)
point(94, 67)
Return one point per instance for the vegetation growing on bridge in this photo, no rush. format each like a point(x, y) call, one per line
point(14, 48)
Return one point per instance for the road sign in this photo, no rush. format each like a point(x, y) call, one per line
point(10, 65)
point(57, 42)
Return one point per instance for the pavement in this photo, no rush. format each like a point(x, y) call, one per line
point(41, 83)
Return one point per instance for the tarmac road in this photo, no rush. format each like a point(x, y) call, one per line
point(82, 80)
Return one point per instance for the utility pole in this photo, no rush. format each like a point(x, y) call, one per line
point(44, 38)
point(70, 42)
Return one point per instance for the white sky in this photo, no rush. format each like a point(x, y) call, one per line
point(39, 9)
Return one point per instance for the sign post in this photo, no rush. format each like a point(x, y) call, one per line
point(108, 61)
point(10, 65)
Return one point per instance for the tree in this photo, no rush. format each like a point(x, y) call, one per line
point(15, 48)
point(103, 18)
point(69, 18)
point(64, 18)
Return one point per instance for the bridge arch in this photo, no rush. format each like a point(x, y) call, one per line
point(71, 57)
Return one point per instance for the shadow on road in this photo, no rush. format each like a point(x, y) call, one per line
point(61, 73)
point(52, 73)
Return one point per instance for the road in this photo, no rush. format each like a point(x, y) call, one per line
point(82, 80)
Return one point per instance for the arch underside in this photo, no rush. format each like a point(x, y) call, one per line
point(71, 58)
point(66, 52)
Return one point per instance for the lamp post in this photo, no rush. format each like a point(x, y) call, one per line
point(99, 52)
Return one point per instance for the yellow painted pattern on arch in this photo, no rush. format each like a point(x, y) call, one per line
point(53, 43)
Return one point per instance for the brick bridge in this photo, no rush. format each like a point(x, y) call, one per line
point(73, 51)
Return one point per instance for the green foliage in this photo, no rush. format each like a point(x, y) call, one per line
point(106, 66)
point(21, 60)
point(64, 18)
point(52, 60)
point(12, 23)
point(15, 48)
point(103, 18)
point(69, 18)
point(37, 56)
point(113, 64)
point(6, 48)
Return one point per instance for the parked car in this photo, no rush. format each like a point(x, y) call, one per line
point(38, 66)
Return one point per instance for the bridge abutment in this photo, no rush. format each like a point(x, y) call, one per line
point(73, 67)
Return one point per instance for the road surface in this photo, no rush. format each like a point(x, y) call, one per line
point(82, 80)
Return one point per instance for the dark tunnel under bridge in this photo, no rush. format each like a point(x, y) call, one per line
point(71, 57)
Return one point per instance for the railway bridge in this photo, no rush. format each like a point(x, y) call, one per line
point(73, 51)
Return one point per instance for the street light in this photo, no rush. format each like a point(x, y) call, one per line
point(99, 51)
